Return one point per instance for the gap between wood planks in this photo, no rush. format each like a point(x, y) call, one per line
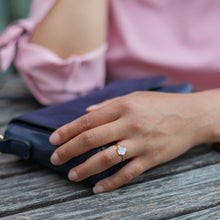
point(85, 193)
point(165, 196)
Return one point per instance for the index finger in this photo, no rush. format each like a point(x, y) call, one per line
point(88, 121)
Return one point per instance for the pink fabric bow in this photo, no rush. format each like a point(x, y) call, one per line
point(9, 39)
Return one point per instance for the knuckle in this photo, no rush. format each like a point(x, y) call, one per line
point(63, 132)
point(137, 169)
point(137, 124)
point(112, 115)
point(126, 105)
point(85, 122)
point(129, 175)
point(88, 138)
point(110, 185)
point(154, 156)
point(108, 159)
point(63, 154)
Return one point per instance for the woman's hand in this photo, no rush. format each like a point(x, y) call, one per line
point(154, 127)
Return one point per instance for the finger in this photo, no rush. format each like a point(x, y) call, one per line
point(86, 122)
point(134, 168)
point(102, 161)
point(101, 104)
point(88, 140)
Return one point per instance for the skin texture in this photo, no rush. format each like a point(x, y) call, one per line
point(73, 27)
point(154, 127)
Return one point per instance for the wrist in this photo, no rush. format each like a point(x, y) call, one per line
point(206, 122)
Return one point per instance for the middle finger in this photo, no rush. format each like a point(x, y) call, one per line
point(88, 140)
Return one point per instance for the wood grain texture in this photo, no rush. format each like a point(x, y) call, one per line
point(13, 109)
point(12, 85)
point(37, 189)
point(159, 199)
point(15, 99)
point(211, 214)
point(200, 156)
point(6, 158)
point(17, 168)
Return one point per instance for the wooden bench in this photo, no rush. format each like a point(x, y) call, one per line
point(185, 188)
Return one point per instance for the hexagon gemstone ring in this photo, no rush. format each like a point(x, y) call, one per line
point(121, 151)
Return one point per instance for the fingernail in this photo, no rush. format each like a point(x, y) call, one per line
point(73, 176)
point(92, 107)
point(55, 138)
point(55, 160)
point(98, 189)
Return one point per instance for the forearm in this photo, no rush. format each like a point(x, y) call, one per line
point(73, 27)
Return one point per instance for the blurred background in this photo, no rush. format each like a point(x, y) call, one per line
point(11, 10)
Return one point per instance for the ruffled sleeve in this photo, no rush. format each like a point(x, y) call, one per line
point(50, 78)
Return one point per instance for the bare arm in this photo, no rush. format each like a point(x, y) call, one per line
point(73, 27)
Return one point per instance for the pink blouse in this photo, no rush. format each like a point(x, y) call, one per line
point(180, 39)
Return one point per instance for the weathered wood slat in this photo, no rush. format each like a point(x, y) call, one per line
point(17, 168)
point(200, 156)
point(159, 199)
point(211, 214)
point(11, 109)
point(6, 158)
point(12, 85)
point(37, 189)
point(11, 165)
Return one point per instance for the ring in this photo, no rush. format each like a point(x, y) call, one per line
point(121, 151)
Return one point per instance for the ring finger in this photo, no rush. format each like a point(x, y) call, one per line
point(103, 160)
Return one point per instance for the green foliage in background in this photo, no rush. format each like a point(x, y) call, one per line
point(11, 10)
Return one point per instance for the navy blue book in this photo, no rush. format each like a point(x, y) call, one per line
point(27, 136)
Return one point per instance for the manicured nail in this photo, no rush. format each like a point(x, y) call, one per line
point(73, 176)
point(98, 189)
point(55, 138)
point(55, 160)
point(92, 107)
